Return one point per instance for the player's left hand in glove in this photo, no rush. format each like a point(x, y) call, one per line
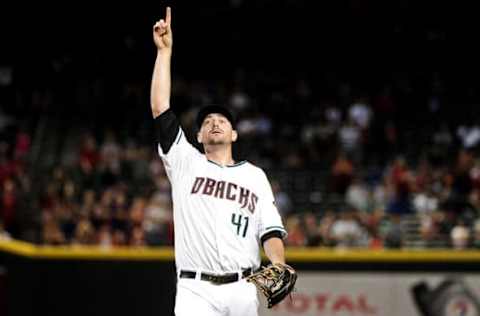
point(275, 281)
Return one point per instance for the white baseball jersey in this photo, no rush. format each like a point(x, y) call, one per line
point(220, 213)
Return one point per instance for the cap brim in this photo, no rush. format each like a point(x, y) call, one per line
point(205, 111)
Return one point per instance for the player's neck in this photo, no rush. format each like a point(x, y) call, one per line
point(221, 155)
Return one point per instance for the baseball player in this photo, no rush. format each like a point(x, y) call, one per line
point(223, 209)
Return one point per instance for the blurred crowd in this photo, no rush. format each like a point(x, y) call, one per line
point(397, 165)
point(368, 140)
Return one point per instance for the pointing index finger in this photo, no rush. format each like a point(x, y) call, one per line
point(168, 17)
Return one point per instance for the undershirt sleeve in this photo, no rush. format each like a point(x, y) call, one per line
point(166, 129)
point(271, 234)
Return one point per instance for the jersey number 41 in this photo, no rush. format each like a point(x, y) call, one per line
point(241, 222)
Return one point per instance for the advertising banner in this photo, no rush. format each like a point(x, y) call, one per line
point(381, 294)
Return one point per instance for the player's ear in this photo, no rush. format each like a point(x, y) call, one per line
point(199, 137)
point(234, 135)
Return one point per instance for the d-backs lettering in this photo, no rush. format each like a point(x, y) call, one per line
point(225, 190)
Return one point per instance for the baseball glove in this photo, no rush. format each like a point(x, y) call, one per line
point(275, 281)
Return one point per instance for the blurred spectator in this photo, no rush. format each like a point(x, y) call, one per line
point(476, 234)
point(325, 227)
point(22, 145)
point(84, 233)
point(469, 135)
point(460, 235)
point(425, 202)
point(461, 185)
point(119, 238)
point(358, 195)
point(104, 236)
point(296, 235)
point(372, 223)
point(282, 199)
point(239, 99)
point(392, 232)
point(360, 113)
point(52, 234)
point(137, 237)
point(347, 232)
point(399, 182)
point(8, 204)
point(4, 235)
point(312, 230)
point(88, 154)
point(158, 223)
point(442, 138)
point(333, 115)
point(350, 139)
point(110, 160)
point(342, 173)
point(380, 196)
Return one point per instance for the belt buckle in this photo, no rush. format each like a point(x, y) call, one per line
point(218, 279)
point(215, 279)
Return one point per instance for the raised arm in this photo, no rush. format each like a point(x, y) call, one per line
point(161, 79)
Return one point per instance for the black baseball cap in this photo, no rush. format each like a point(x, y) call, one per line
point(214, 109)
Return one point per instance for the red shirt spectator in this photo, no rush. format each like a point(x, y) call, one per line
point(8, 203)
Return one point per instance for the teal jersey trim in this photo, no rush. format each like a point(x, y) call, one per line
point(229, 166)
point(179, 137)
point(275, 227)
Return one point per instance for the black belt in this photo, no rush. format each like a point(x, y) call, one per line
point(216, 278)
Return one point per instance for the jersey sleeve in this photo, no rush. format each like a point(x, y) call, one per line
point(270, 223)
point(173, 147)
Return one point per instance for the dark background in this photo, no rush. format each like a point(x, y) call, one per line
point(367, 42)
point(216, 36)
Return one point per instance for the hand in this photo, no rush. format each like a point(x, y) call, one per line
point(162, 33)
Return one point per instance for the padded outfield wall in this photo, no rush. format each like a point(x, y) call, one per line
point(38, 280)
